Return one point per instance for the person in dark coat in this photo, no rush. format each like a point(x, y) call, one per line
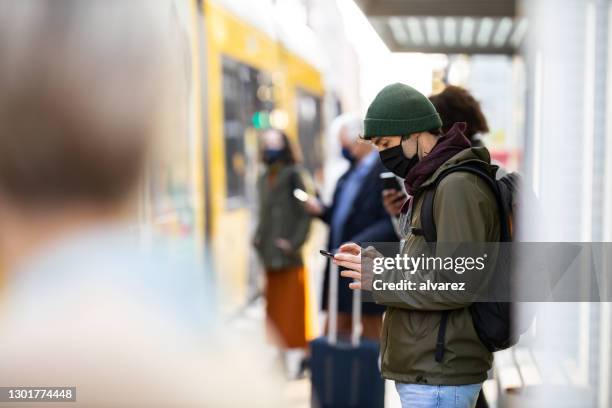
point(356, 214)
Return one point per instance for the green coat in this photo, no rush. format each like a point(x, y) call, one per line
point(281, 215)
point(465, 210)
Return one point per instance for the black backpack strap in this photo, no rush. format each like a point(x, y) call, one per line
point(441, 336)
point(428, 224)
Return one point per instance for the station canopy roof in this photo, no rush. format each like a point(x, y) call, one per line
point(447, 26)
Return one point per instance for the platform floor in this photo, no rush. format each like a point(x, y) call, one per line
point(296, 392)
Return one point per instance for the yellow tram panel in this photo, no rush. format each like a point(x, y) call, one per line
point(230, 36)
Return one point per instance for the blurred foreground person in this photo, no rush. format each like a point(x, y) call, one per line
point(87, 304)
point(355, 215)
point(281, 232)
point(430, 346)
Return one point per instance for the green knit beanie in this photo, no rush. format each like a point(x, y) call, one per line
point(400, 110)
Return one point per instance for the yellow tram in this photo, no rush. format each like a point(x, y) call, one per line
point(242, 77)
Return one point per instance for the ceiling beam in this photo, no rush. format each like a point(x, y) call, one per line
point(437, 8)
point(458, 50)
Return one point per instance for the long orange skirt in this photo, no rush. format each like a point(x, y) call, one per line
point(286, 306)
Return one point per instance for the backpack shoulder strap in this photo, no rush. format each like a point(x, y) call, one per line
point(428, 224)
point(440, 341)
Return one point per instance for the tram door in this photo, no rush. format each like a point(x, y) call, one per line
point(247, 102)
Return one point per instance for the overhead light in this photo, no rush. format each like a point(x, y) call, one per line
point(467, 31)
point(520, 29)
point(484, 33)
point(414, 29)
point(450, 31)
point(431, 27)
point(398, 30)
point(503, 30)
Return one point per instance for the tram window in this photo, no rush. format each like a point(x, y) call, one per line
point(309, 130)
point(241, 100)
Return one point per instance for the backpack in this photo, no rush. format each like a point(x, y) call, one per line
point(493, 321)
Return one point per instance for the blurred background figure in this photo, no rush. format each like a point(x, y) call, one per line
point(87, 302)
point(356, 214)
point(456, 104)
point(280, 234)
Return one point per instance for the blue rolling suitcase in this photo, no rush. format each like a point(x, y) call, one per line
point(345, 372)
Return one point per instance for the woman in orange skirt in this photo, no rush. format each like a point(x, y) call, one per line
point(282, 230)
point(286, 306)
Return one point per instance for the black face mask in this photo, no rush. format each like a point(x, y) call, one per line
point(271, 156)
point(396, 162)
point(346, 153)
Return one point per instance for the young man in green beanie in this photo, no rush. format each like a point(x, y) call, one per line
point(405, 127)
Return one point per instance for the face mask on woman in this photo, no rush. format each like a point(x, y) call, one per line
point(272, 155)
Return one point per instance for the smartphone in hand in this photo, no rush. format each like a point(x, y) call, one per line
point(325, 253)
point(300, 195)
point(390, 181)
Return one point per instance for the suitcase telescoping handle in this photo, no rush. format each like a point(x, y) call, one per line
point(332, 327)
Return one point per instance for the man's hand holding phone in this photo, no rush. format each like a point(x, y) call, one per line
point(393, 196)
point(313, 206)
point(349, 257)
point(393, 200)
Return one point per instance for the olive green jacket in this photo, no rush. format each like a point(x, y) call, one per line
point(465, 210)
point(281, 215)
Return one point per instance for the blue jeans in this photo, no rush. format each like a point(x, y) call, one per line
point(438, 396)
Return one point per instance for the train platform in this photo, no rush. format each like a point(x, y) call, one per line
point(296, 391)
point(176, 177)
